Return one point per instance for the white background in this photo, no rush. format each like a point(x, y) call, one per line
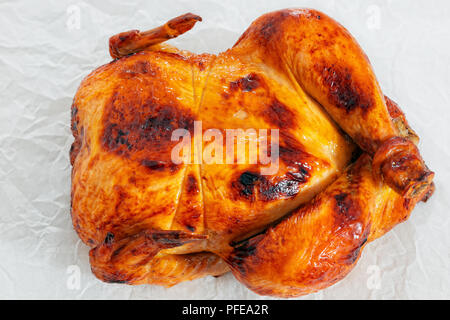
point(47, 47)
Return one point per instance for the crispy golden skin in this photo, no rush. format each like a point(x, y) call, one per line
point(301, 229)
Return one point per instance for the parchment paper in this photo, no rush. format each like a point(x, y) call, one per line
point(47, 47)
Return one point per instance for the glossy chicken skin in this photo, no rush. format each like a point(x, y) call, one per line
point(293, 232)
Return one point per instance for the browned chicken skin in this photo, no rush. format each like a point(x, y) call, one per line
point(299, 230)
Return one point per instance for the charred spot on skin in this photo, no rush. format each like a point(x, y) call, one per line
point(247, 83)
point(77, 132)
point(113, 278)
point(139, 68)
point(201, 65)
point(121, 138)
point(297, 160)
point(189, 218)
point(284, 188)
point(346, 210)
point(342, 203)
point(162, 237)
point(269, 29)
point(116, 281)
point(76, 224)
point(225, 95)
point(288, 186)
point(301, 176)
point(192, 184)
point(76, 146)
point(140, 128)
point(272, 25)
point(239, 255)
point(74, 149)
point(109, 238)
point(343, 91)
point(244, 249)
point(356, 153)
point(277, 114)
point(247, 182)
point(155, 165)
point(74, 118)
point(201, 60)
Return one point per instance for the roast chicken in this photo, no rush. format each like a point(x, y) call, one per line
point(348, 171)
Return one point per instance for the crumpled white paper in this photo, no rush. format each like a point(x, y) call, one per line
point(47, 47)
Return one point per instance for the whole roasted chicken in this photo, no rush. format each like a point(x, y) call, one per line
point(348, 169)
